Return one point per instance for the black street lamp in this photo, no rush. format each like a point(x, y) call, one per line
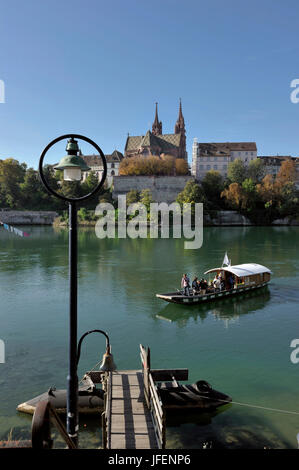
point(72, 165)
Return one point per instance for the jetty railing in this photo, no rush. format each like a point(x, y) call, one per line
point(152, 398)
point(44, 414)
point(106, 415)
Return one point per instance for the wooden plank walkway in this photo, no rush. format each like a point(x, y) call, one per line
point(131, 425)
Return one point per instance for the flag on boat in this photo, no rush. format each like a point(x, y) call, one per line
point(226, 261)
point(15, 230)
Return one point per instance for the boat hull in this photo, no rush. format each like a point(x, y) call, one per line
point(178, 298)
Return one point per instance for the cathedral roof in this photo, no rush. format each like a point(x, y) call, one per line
point(95, 160)
point(164, 141)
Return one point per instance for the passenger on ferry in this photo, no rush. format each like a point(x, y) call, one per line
point(231, 281)
point(185, 283)
point(216, 283)
point(203, 286)
point(195, 286)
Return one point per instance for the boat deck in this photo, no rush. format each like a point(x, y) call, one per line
point(179, 298)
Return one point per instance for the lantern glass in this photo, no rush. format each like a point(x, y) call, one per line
point(72, 174)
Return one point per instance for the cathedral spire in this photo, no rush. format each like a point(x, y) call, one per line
point(157, 126)
point(179, 128)
point(180, 124)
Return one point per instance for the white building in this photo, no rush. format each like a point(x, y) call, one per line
point(95, 164)
point(217, 156)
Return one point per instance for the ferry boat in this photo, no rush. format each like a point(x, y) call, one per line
point(235, 280)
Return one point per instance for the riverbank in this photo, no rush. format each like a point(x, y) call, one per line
point(215, 219)
point(28, 217)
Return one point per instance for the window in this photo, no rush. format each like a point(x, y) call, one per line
point(112, 165)
point(112, 173)
point(224, 167)
point(208, 167)
point(215, 167)
point(201, 167)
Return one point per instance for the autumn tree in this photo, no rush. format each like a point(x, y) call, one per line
point(181, 167)
point(233, 195)
point(153, 165)
point(287, 172)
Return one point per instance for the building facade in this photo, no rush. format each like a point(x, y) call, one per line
point(217, 156)
point(96, 165)
point(156, 143)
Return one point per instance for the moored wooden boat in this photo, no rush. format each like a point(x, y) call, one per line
point(246, 277)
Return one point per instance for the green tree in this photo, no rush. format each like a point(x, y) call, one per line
point(146, 198)
point(32, 193)
point(237, 171)
point(191, 193)
point(213, 185)
point(90, 182)
point(256, 170)
point(12, 174)
point(133, 196)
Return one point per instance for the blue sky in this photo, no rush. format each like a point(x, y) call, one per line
point(96, 67)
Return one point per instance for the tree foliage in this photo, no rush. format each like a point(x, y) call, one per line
point(191, 193)
point(237, 171)
point(256, 170)
point(213, 185)
point(165, 165)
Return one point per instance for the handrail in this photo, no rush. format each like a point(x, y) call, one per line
point(153, 400)
point(41, 427)
point(106, 415)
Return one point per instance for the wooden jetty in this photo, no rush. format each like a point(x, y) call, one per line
point(130, 424)
point(134, 417)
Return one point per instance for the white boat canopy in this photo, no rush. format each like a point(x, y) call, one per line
point(241, 270)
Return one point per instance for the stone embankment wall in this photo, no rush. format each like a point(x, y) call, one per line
point(231, 218)
point(163, 188)
point(226, 218)
point(28, 217)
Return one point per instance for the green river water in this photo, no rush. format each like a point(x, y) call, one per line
point(240, 345)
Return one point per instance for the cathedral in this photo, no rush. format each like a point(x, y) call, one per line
point(158, 144)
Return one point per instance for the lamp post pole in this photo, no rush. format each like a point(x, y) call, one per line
point(72, 165)
point(72, 421)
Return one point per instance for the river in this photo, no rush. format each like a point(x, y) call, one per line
point(240, 345)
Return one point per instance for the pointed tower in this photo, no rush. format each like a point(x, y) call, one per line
point(179, 128)
point(157, 126)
